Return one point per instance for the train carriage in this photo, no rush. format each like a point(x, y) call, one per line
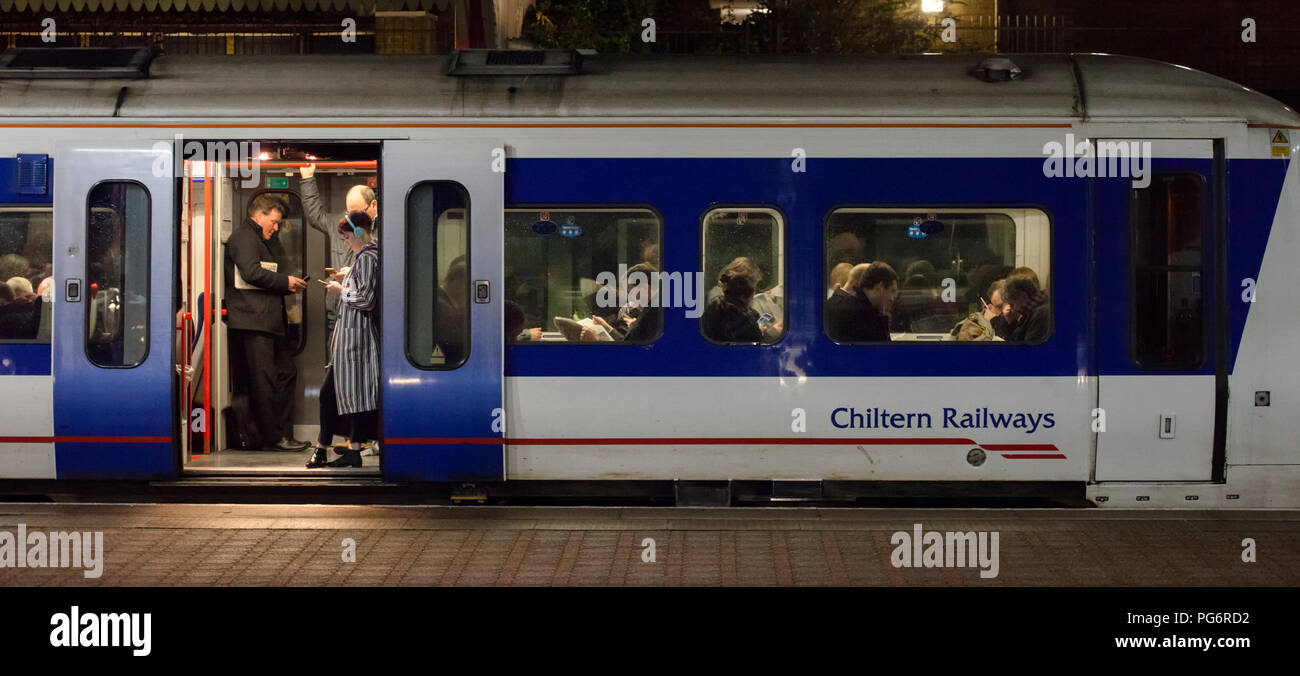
point(1157, 206)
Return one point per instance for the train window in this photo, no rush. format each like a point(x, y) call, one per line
point(1168, 306)
point(26, 248)
point(744, 266)
point(437, 275)
point(289, 246)
point(117, 274)
point(576, 274)
point(946, 262)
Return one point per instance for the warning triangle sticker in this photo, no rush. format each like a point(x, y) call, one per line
point(1279, 137)
point(438, 357)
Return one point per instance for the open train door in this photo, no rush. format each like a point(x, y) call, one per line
point(114, 234)
point(441, 238)
point(1160, 303)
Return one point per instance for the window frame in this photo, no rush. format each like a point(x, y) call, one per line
point(148, 274)
point(783, 221)
point(940, 207)
point(1134, 269)
point(302, 212)
point(25, 208)
point(589, 206)
point(406, 276)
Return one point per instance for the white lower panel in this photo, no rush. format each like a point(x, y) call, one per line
point(1131, 448)
point(744, 428)
point(28, 411)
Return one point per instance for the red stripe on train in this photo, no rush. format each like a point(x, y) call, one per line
point(684, 441)
point(86, 440)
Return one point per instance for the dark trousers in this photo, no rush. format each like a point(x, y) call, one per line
point(265, 368)
point(359, 427)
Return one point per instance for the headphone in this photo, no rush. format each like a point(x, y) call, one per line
point(356, 231)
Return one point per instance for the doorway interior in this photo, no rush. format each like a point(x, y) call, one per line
point(215, 196)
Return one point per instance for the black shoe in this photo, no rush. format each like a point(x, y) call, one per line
point(287, 445)
point(317, 459)
point(350, 458)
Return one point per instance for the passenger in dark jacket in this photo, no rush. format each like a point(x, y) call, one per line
point(728, 317)
point(640, 321)
point(255, 290)
point(859, 311)
point(1031, 310)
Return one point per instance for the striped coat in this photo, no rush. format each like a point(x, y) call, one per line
point(354, 347)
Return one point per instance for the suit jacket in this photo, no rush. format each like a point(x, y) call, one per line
point(850, 318)
point(260, 309)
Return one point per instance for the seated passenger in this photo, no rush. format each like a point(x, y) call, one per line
point(839, 277)
point(1031, 312)
point(728, 318)
point(880, 288)
point(919, 275)
point(862, 314)
point(843, 313)
point(514, 321)
point(640, 319)
point(13, 265)
point(768, 303)
point(20, 317)
point(21, 286)
point(1027, 272)
point(452, 296)
point(995, 311)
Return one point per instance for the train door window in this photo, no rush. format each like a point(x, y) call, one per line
point(1168, 306)
point(289, 246)
point(117, 274)
point(584, 274)
point(947, 261)
point(744, 271)
point(26, 249)
point(437, 275)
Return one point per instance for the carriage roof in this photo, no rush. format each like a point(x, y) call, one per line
point(1065, 87)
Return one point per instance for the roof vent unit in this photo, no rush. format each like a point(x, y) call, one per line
point(997, 69)
point(515, 62)
point(75, 63)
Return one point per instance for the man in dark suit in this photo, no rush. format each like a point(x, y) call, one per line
point(859, 311)
point(255, 290)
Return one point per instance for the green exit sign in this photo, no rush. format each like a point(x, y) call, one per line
point(281, 182)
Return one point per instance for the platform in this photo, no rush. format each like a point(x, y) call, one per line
point(295, 545)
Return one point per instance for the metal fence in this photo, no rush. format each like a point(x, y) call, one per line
point(231, 40)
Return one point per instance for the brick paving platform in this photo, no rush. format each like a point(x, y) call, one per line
point(296, 545)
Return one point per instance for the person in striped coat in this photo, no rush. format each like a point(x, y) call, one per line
point(349, 397)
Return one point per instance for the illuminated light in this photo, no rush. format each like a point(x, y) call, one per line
point(931, 6)
point(264, 156)
point(311, 157)
point(403, 381)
